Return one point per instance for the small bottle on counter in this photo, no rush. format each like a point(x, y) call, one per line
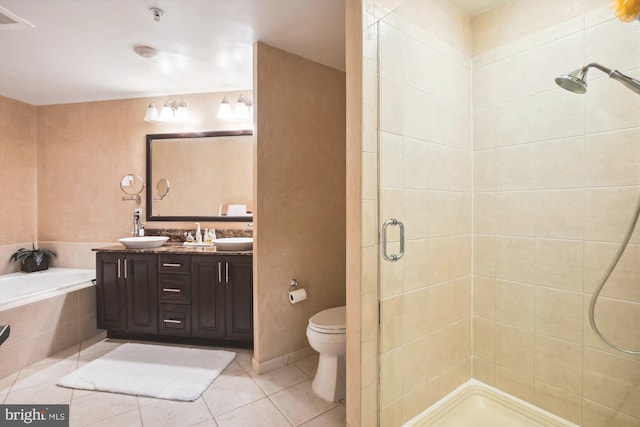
point(198, 233)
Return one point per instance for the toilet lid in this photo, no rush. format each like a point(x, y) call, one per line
point(331, 320)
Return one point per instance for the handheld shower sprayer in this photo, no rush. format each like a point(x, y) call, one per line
point(575, 81)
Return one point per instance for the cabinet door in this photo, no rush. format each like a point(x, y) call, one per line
point(111, 292)
point(207, 297)
point(239, 289)
point(142, 293)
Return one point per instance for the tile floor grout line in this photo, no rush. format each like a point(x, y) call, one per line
point(207, 405)
point(283, 389)
point(241, 406)
point(281, 411)
point(10, 389)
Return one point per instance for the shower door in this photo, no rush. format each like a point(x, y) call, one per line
point(424, 216)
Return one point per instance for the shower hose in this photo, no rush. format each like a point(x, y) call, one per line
point(605, 278)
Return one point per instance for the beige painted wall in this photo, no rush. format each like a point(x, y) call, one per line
point(17, 171)
point(84, 149)
point(17, 178)
point(60, 168)
point(300, 196)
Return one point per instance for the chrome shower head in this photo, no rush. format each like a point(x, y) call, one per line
point(572, 82)
point(575, 81)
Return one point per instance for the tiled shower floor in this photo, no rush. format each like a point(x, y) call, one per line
point(238, 397)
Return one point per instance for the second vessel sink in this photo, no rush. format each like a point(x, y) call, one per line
point(234, 243)
point(145, 242)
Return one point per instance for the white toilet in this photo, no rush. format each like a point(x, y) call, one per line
point(327, 334)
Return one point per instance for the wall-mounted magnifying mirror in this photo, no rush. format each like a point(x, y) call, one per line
point(162, 188)
point(132, 185)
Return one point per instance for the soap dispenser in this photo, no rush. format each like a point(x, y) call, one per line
point(198, 233)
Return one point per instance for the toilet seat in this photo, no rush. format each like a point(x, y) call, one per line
point(330, 321)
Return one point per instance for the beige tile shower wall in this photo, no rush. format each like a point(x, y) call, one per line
point(556, 177)
point(17, 178)
point(300, 194)
point(425, 180)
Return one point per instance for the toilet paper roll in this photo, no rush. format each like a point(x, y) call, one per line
point(297, 296)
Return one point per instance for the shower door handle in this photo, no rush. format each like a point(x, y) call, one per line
point(392, 257)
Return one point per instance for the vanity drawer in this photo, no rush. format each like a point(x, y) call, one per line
point(174, 288)
point(175, 320)
point(171, 263)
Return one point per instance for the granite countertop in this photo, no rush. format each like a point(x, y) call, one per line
point(172, 248)
point(174, 245)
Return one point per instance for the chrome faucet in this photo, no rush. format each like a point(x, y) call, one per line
point(137, 214)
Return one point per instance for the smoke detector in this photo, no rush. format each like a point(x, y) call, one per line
point(157, 13)
point(146, 51)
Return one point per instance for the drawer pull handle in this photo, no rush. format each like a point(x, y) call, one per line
point(219, 272)
point(171, 290)
point(172, 321)
point(170, 264)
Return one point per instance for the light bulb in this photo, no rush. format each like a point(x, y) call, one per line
point(182, 113)
point(225, 110)
point(152, 113)
point(242, 109)
point(166, 114)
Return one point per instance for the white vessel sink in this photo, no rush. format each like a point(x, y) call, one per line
point(145, 242)
point(234, 243)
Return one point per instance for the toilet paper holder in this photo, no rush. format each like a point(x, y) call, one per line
point(294, 285)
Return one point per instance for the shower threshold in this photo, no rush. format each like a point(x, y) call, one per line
point(475, 404)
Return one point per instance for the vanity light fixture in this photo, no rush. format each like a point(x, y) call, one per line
point(172, 111)
point(152, 113)
point(241, 110)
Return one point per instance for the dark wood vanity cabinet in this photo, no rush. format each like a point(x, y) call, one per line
point(223, 297)
point(239, 298)
point(208, 305)
point(202, 297)
point(127, 298)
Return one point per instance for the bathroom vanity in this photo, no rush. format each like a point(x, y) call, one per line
point(176, 293)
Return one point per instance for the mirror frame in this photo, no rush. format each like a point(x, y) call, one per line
point(149, 187)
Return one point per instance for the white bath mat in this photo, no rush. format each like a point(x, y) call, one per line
point(164, 372)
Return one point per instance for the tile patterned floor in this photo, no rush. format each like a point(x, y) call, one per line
point(237, 398)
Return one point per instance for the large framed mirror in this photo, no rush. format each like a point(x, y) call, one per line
point(200, 176)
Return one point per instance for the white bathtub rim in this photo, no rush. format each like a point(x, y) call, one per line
point(48, 293)
point(472, 388)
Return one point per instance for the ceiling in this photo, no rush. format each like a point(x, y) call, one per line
point(476, 7)
point(82, 50)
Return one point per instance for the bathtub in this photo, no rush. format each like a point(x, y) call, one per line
point(476, 404)
point(48, 311)
point(22, 288)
